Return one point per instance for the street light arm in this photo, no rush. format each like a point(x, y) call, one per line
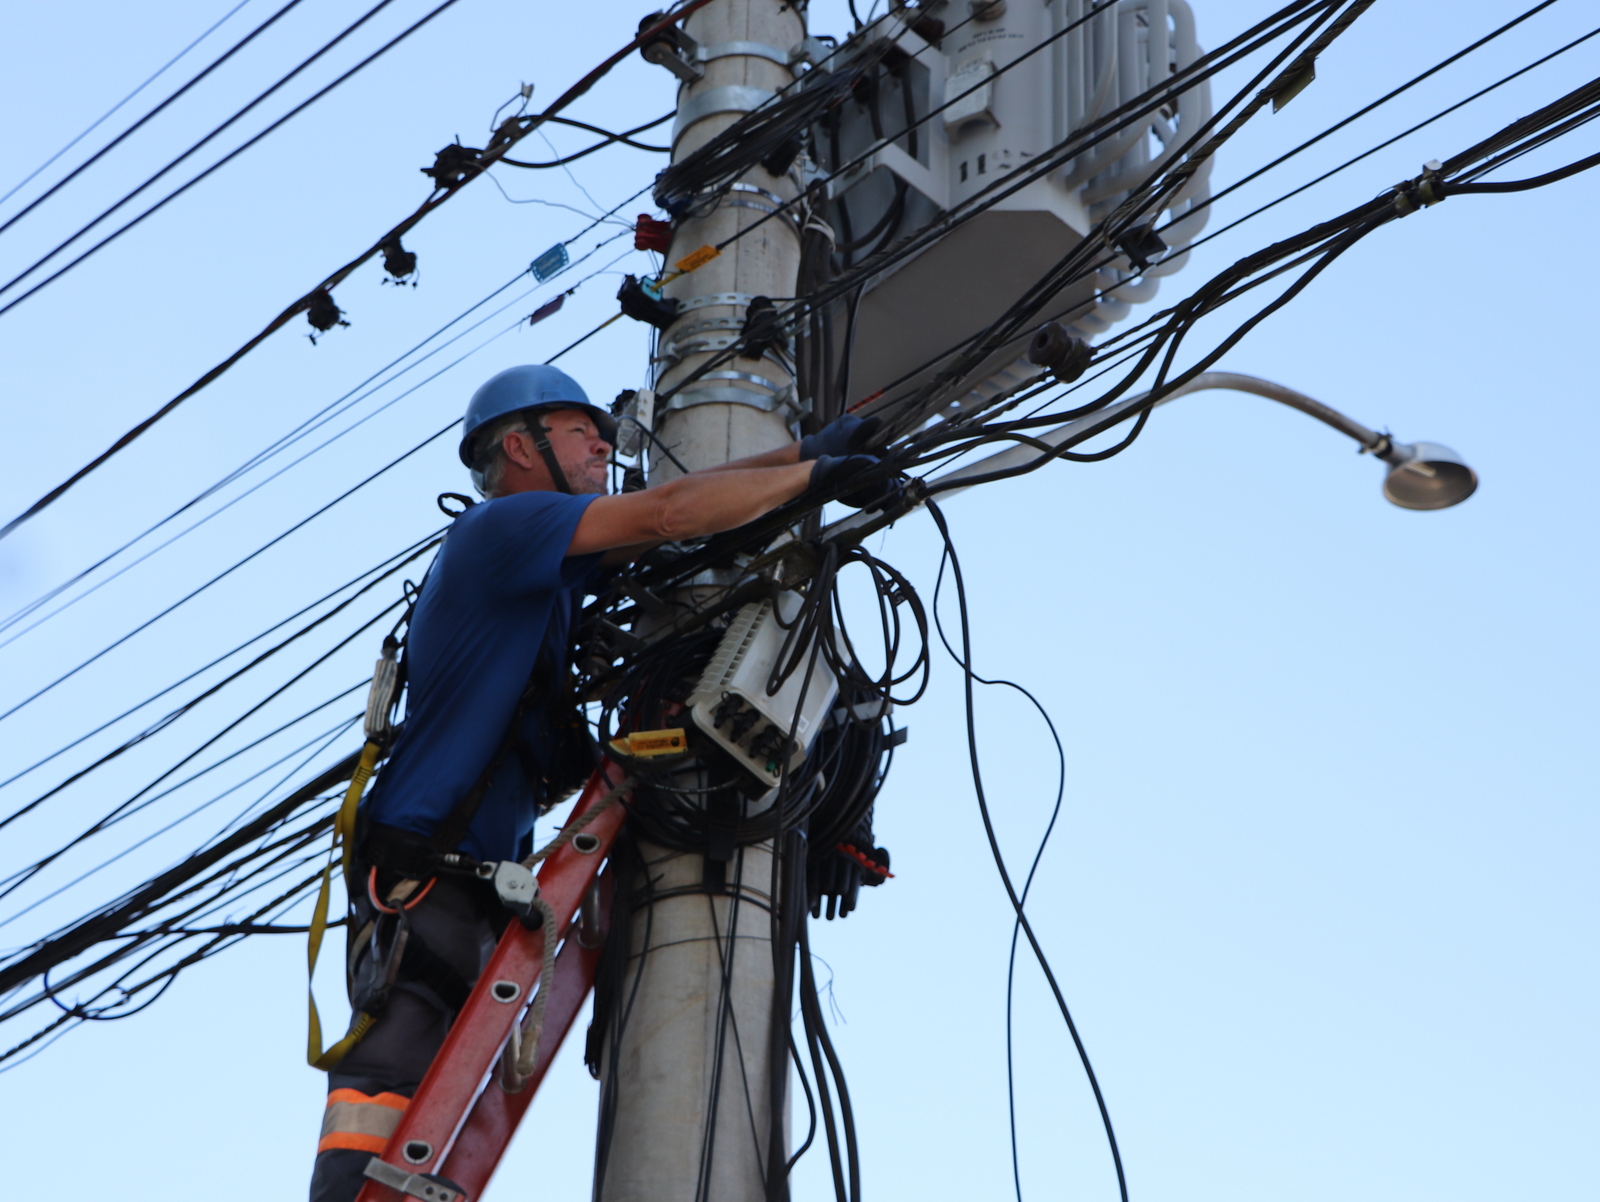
point(1370, 440)
point(1096, 423)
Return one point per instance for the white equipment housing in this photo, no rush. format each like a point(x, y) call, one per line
point(1012, 115)
point(731, 706)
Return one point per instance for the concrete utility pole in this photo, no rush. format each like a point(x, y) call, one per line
point(693, 1091)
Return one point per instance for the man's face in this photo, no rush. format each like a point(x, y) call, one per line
point(579, 449)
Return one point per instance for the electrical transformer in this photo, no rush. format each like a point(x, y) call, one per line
point(1011, 84)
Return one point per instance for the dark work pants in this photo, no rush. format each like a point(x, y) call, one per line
point(460, 922)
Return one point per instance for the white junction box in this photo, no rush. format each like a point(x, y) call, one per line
point(731, 706)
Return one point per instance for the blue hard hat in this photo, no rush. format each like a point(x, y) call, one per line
point(531, 386)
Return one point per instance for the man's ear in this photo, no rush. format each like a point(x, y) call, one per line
point(518, 447)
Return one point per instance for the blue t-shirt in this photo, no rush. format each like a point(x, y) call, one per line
point(501, 589)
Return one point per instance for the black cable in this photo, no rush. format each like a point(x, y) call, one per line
point(168, 719)
point(1368, 153)
point(503, 142)
point(930, 363)
point(235, 566)
point(317, 744)
point(229, 157)
point(405, 555)
point(105, 923)
point(994, 845)
point(1196, 148)
point(625, 138)
point(139, 124)
point(1207, 65)
point(1033, 868)
point(133, 805)
point(317, 420)
point(1250, 97)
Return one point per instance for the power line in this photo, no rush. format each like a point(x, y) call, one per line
point(386, 566)
point(327, 413)
point(1258, 35)
point(968, 676)
point(139, 124)
point(104, 117)
point(505, 139)
point(318, 513)
point(220, 163)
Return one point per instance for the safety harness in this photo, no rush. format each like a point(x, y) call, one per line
point(541, 443)
point(392, 955)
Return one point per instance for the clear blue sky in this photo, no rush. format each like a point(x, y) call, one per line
point(1322, 895)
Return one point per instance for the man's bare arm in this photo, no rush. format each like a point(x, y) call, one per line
point(781, 457)
point(690, 506)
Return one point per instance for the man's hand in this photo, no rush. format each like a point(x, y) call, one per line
point(833, 473)
point(842, 436)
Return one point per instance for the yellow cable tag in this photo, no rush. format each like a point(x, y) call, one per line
point(647, 744)
point(696, 259)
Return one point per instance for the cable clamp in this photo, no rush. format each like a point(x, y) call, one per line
point(808, 50)
point(1426, 190)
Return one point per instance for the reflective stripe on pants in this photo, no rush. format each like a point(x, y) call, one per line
point(360, 1122)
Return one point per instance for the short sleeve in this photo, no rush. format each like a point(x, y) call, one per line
point(521, 541)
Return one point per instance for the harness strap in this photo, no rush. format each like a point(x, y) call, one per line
point(343, 836)
point(541, 443)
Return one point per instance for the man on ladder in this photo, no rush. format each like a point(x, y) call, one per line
point(492, 737)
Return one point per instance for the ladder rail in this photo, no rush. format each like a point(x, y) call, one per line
point(485, 1135)
point(444, 1111)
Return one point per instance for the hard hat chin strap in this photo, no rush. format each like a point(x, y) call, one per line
point(541, 442)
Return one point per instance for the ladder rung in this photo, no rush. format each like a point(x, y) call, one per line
point(426, 1139)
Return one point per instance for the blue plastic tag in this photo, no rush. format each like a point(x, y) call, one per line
point(551, 262)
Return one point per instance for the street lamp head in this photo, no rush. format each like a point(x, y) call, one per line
point(1425, 475)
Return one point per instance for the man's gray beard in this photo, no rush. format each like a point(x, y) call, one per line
point(582, 483)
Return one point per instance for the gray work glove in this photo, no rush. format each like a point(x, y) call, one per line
point(842, 436)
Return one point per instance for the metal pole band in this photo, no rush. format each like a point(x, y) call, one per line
point(729, 98)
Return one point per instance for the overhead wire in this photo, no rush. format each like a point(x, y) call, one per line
point(402, 556)
point(319, 512)
point(152, 114)
point(117, 107)
point(307, 428)
point(333, 409)
point(166, 720)
point(1405, 87)
point(8, 285)
point(1033, 867)
point(1110, 256)
point(138, 802)
point(505, 139)
point(1258, 35)
point(1318, 253)
point(624, 138)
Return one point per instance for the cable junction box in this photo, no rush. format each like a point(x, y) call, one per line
point(731, 706)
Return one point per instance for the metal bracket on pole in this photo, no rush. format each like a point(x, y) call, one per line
point(414, 1185)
